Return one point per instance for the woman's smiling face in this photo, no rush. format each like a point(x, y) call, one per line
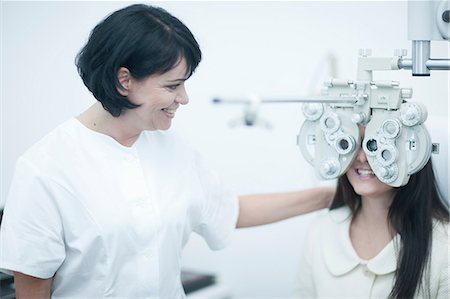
point(362, 178)
point(159, 96)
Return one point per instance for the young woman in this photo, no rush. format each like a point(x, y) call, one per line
point(377, 241)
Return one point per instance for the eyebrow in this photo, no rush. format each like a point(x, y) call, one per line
point(177, 80)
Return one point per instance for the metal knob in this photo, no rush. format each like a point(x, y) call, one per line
point(365, 52)
point(329, 169)
point(359, 118)
point(400, 52)
point(406, 93)
point(312, 111)
point(412, 114)
point(388, 174)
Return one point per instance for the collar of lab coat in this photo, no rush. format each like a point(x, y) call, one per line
point(339, 254)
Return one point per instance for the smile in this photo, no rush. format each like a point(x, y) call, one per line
point(169, 112)
point(365, 172)
point(172, 111)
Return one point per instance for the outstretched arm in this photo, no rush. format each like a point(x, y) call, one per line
point(32, 287)
point(261, 209)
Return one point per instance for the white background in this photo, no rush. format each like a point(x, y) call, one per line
point(274, 49)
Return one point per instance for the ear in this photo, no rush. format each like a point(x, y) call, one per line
point(124, 76)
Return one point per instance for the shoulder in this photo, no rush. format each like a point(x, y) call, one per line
point(328, 226)
point(439, 259)
point(333, 216)
point(340, 215)
point(440, 245)
point(440, 235)
point(327, 221)
point(49, 148)
point(325, 241)
point(51, 142)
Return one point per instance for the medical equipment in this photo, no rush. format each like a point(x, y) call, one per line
point(427, 20)
point(250, 116)
point(396, 141)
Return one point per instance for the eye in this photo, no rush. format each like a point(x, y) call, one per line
point(173, 87)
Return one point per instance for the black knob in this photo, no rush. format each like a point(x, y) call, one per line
point(445, 16)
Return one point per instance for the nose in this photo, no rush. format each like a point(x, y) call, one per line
point(182, 97)
point(361, 156)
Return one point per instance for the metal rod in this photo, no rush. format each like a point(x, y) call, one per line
point(438, 64)
point(432, 64)
point(350, 100)
point(405, 63)
point(420, 55)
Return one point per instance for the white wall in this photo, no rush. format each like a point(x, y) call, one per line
point(269, 48)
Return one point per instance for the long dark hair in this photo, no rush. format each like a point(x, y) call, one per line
point(411, 215)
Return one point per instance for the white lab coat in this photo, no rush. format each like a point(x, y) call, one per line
point(107, 220)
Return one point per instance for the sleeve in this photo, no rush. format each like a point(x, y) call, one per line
point(31, 235)
point(220, 208)
point(305, 278)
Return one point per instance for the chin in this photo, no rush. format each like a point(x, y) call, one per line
point(164, 128)
point(365, 193)
point(375, 190)
point(159, 126)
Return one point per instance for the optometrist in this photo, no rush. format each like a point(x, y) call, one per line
point(102, 206)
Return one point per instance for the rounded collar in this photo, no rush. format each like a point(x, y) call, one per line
point(339, 254)
point(104, 141)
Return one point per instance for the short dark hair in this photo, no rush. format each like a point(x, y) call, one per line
point(146, 40)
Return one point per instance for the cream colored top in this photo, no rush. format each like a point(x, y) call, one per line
point(330, 267)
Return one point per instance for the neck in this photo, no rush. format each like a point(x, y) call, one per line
point(373, 213)
point(98, 119)
point(370, 231)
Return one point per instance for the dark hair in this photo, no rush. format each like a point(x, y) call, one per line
point(411, 215)
point(146, 40)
